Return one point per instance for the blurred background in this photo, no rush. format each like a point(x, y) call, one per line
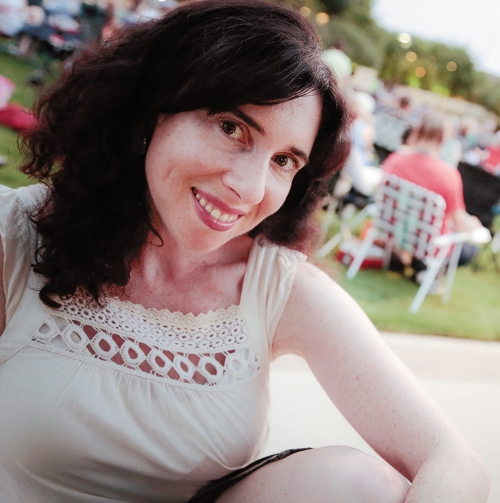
point(397, 59)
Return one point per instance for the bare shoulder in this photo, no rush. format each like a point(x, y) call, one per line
point(319, 310)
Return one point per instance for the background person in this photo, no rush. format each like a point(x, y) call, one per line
point(339, 62)
point(359, 168)
point(12, 16)
point(451, 148)
point(492, 161)
point(186, 159)
point(421, 165)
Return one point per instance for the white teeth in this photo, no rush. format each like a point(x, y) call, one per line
point(215, 212)
point(223, 217)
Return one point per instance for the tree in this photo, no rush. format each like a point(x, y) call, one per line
point(487, 91)
point(334, 6)
point(359, 12)
point(359, 46)
point(447, 69)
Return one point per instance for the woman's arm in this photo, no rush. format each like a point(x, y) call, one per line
point(377, 394)
point(2, 293)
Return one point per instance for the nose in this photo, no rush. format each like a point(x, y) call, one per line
point(247, 178)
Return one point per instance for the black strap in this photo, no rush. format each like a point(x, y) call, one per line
point(211, 492)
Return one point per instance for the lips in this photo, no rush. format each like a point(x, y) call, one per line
point(214, 213)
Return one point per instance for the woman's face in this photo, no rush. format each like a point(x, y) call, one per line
point(213, 178)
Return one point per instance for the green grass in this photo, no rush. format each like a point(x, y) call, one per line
point(24, 94)
point(385, 296)
point(471, 313)
point(18, 71)
point(9, 174)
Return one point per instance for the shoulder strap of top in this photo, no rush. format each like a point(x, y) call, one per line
point(266, 287)
point(18, 240)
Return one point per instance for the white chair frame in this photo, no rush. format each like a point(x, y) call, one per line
point(346, 227)
point(410, 218)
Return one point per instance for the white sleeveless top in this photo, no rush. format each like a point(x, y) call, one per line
point(123, 403)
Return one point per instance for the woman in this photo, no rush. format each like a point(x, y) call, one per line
point(186, 159)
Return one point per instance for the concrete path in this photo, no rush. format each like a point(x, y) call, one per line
point(463, 376)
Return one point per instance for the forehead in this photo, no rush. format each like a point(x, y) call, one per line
point(308, 105)
point(300, 118)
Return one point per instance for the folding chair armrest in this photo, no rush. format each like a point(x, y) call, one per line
point(478, 236)
point(450, 238)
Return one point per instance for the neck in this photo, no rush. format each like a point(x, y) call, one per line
point(165, 260)
point(181, 280)
point(427, 147)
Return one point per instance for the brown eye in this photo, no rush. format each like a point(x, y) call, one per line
point(285, 163)
point(229, 127)
point(232, 129)
point(282, 160)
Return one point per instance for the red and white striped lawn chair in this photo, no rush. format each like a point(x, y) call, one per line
point(410, 218)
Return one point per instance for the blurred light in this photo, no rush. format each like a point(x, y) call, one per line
point(411, 56)
point(404, 38)
point(305, 11)
point(420, 71)
point(451, 66)
point(322, 18)
point(432, 60)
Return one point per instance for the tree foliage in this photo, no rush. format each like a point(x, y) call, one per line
point(487, 91)
point(446, 69)
point(335, 6)
point(359, 45)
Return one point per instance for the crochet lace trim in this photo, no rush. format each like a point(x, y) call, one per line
point(205, 350)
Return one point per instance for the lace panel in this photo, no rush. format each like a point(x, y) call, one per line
point(211, 349)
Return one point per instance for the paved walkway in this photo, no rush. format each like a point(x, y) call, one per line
point(462, 375)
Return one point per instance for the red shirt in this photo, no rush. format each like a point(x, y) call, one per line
point(432, 174)
point(493, 162)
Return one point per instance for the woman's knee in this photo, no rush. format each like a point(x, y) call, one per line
point(324, 475)
point(359, 477)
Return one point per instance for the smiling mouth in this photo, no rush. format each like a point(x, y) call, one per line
point(214, 212)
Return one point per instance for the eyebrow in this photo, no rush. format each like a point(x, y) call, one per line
point(248, 120)
point(255, 125)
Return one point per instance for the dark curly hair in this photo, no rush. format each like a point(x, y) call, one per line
point(96, 121)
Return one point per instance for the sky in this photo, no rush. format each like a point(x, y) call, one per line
point(471, 24)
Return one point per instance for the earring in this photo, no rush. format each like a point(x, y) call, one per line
point(140, 145)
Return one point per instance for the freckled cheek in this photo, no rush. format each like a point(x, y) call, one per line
point(155, 167)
